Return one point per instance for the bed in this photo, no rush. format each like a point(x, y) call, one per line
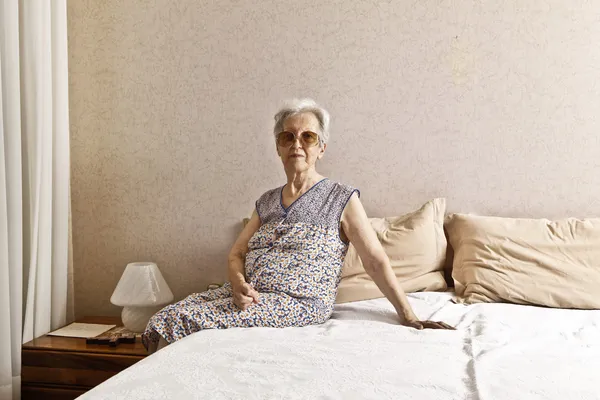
point(499, 351)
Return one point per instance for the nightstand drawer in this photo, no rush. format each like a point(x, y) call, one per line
point(64, 376)
point(76, 360)
point(39, 392)
point(71, 368)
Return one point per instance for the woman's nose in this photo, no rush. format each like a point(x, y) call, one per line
point(296, 143)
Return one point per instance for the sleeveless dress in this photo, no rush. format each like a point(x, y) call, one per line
point(294, 261)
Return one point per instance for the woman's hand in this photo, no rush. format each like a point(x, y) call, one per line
point(244, 295)
point(357, 228)
point(414, 323)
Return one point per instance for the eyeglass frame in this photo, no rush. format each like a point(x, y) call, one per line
point(298, 138)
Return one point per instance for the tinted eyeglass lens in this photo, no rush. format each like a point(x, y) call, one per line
point(310, 138)
point(285, 139)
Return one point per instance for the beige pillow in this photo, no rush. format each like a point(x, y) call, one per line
point(416, 246)
point(526, 261)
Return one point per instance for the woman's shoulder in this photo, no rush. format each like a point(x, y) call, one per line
point(343, 188)
point(270, 195)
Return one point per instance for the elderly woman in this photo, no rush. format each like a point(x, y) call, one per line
point(285, 265)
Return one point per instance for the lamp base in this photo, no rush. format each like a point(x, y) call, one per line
point(136, 318)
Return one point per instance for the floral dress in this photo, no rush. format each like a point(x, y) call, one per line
point(294, 261)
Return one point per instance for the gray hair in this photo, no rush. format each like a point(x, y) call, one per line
point(299, 106)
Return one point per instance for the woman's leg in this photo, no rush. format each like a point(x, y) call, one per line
point(276, 310)
point(162, 343)
point(152, 336)
point(153, 347)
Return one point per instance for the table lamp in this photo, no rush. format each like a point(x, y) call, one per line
point(141, 291)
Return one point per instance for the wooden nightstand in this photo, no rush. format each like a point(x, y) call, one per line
point(65, 368)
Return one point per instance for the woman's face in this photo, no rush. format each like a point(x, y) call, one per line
point(300, 155)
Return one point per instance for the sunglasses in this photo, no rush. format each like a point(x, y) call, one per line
point(307, 139)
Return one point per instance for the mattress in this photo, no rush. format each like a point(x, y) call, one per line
point(499, 351)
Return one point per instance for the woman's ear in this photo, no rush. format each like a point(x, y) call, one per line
point(322, 152)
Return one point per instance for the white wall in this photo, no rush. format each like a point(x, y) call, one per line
point(493, 105)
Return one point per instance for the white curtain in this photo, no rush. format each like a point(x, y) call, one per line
point(34, 178)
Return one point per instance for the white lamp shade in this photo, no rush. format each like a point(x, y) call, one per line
point(142, 285)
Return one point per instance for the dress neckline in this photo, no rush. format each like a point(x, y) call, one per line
point(299, 197)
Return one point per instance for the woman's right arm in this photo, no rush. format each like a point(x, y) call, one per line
point(243, 293)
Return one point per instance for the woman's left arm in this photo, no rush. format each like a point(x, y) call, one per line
point(358, 230)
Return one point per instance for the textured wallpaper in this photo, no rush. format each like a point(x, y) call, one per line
point(493, 105)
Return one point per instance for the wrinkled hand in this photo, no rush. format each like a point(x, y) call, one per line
point(244, 296)
point(428, 325)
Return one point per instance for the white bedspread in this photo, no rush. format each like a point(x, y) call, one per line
point(499, 352)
